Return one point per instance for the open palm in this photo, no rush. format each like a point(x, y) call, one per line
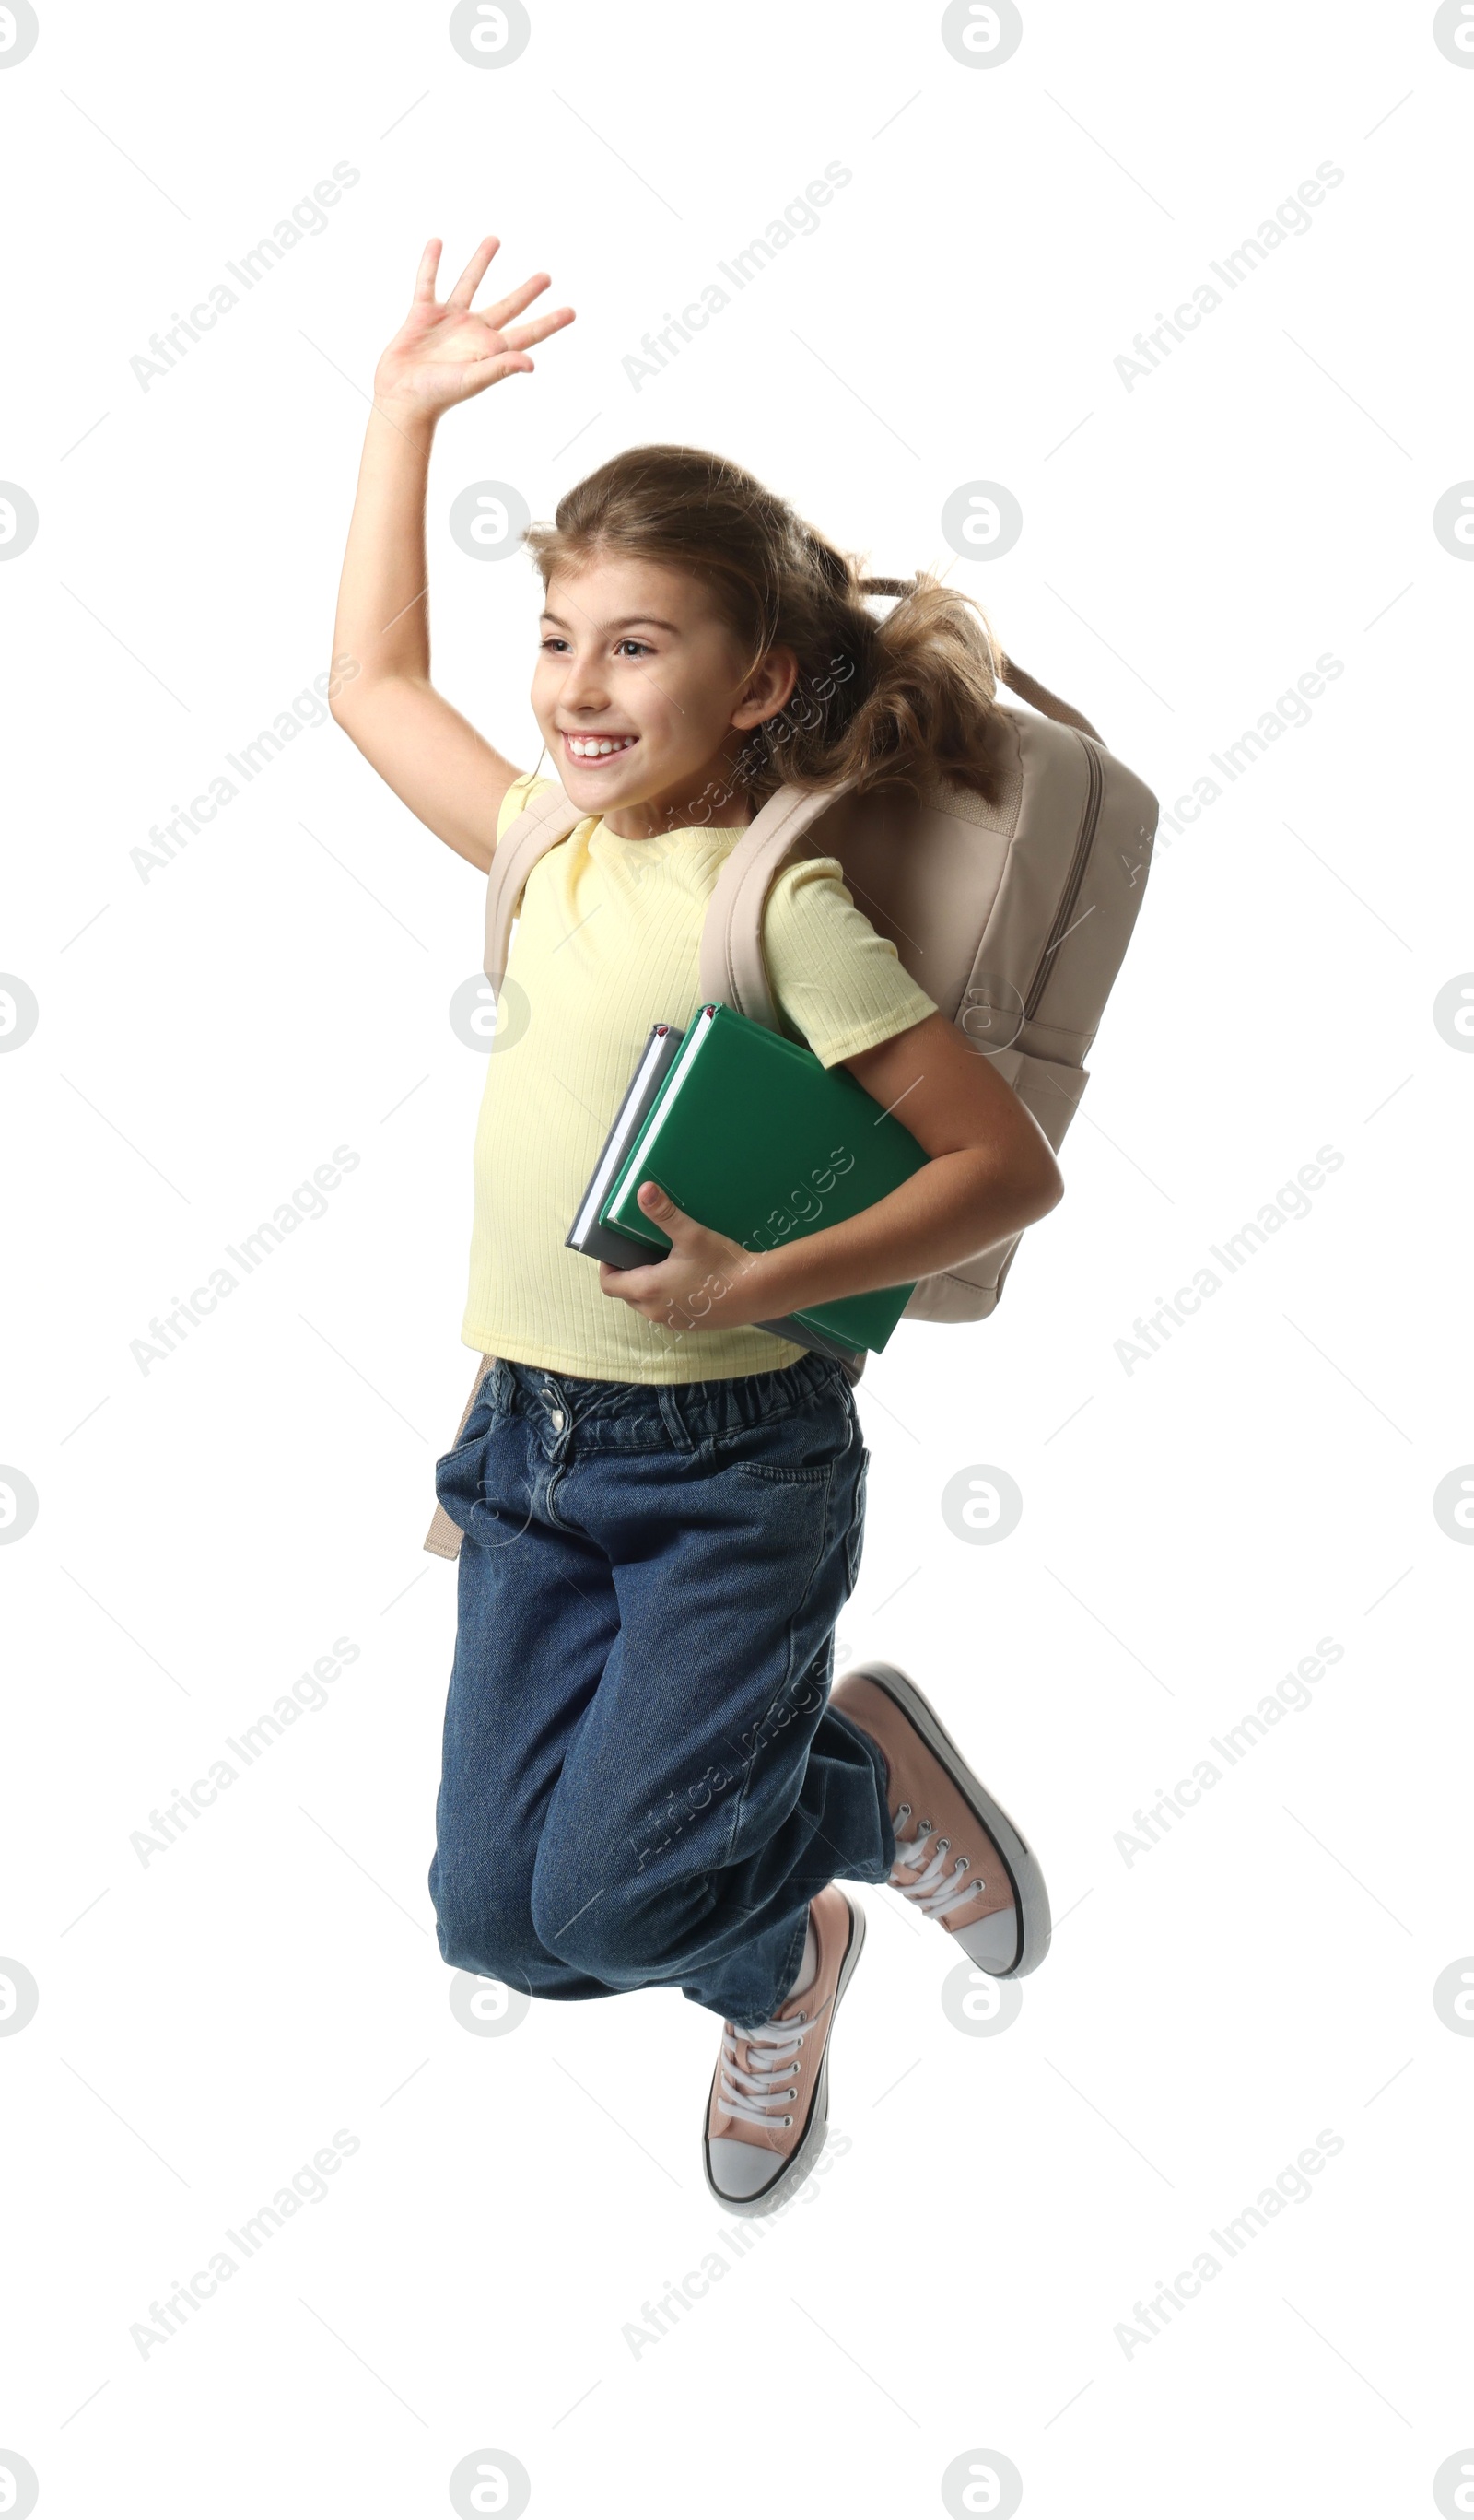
point(444, 353)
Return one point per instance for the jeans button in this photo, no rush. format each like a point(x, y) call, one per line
point(557, 1421)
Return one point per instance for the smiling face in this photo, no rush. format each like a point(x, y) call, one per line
point(642, 696)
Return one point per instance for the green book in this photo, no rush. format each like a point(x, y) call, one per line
point(751, 1133)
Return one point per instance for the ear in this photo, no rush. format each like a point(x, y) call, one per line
point(769, 687)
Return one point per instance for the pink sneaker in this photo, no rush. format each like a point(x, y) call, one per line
point(958, 1856)
point(769, 2108)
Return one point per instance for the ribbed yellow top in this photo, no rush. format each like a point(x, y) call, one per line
point(609, 943)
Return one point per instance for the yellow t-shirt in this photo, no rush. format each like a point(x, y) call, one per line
point(609, 943)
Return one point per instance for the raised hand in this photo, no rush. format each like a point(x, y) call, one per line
point(444, 353)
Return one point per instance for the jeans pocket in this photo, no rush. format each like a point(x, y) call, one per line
point(483, 1410)
point(456, 1481)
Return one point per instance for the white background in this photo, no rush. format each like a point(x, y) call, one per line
point(1192, 1528)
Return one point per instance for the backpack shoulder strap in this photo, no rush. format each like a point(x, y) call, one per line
point(732, 968)
point(732, 965)
point(539, 827)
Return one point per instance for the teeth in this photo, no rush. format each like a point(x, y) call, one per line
point(587, 746)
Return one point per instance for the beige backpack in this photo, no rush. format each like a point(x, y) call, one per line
point(1013, 917)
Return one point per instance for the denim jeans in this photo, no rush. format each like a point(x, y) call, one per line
point(643, 1780)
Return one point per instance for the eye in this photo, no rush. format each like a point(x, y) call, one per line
point(638, 644)
point(552, 643)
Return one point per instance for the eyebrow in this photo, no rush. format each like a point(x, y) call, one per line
point(633, 621)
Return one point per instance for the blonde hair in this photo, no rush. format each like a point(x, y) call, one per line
point(897, 701)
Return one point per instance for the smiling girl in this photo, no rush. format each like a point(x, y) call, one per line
point(648, 1778)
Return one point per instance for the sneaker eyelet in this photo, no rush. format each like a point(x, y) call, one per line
point(787, 2121)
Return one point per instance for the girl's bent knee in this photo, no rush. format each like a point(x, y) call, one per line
point(598, 1928)
point(488, 1937)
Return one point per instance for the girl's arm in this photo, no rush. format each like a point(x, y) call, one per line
point(426, 751)
point(992, 1172)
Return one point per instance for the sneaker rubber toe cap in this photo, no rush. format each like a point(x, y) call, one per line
point(741, 2168)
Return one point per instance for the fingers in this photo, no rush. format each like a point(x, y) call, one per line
point(622, 1280)
point(478, 372)
point(656, 1201)
point(522, 336)
point(425, 277)
point(475, 273)
point(516, 298)
point(631, 1286)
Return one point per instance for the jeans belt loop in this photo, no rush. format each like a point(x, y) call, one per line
point(668, 1401)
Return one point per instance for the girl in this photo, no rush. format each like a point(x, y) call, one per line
point(647, 1779)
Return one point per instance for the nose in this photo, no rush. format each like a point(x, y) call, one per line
point(585, 685)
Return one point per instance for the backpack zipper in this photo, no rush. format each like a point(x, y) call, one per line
point(1095, 793)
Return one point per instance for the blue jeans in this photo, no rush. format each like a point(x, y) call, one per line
point(643, 1782)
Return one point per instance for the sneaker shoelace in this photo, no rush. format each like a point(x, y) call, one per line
point(939, 1889)
point(752, 2092)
